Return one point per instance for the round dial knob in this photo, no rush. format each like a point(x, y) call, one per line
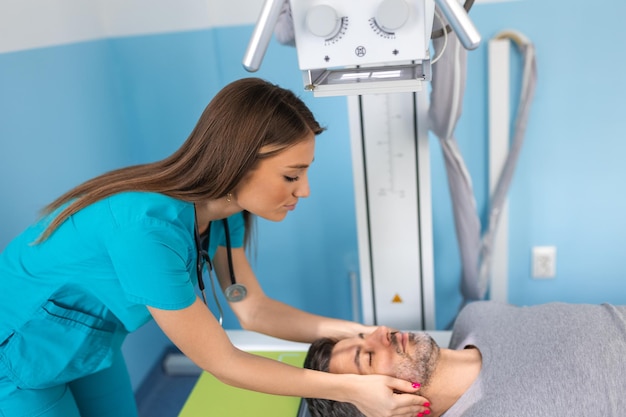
point(322, 21)
point(392, 14)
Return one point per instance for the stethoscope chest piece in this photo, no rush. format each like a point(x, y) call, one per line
point(235, 292)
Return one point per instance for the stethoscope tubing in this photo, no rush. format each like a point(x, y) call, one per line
point(234, 292)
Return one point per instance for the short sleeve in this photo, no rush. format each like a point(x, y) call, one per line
point(154, 264)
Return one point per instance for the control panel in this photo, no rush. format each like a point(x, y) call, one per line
point(335, 33)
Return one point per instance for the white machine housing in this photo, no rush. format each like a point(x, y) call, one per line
point(379, 46)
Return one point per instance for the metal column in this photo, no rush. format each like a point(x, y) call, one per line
point(389, 137)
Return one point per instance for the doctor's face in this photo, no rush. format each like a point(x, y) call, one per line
point(274, 187)
point(409, 356)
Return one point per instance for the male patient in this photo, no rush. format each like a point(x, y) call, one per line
point(548, 360)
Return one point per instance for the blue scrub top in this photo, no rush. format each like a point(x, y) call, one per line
point(91, 280)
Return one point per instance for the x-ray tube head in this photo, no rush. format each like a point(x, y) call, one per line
point(369, 46)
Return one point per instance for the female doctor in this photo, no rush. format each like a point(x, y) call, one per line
point(129, 246)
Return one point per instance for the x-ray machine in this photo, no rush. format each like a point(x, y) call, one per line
point(377, 52)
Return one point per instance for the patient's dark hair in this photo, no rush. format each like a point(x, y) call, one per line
point(318, 358)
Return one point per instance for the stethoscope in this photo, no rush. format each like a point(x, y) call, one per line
point(234, 292)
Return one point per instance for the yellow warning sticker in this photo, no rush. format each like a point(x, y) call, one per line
point(396, 299)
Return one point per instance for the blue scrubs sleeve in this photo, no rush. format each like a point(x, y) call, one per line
point(155, 264)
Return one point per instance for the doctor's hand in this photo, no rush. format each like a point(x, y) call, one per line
point(385, 396)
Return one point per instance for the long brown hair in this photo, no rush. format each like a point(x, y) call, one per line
point(225, 144)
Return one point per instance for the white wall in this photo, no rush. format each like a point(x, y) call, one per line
point(27, 24)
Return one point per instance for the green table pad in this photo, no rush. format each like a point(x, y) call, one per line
point(212, 398)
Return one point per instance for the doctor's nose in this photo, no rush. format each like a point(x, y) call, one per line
point(302, 190)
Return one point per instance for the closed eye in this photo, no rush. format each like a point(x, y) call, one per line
point(369, 354)
point(291, 179)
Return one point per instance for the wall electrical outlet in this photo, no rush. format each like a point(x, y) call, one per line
point(544, 261)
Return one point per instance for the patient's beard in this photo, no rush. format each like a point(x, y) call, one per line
point(418, 363)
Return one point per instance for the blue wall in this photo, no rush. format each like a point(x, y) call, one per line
point(567, 187)
point(70, 112)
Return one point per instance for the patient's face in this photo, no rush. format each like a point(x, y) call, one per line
point(409, 356)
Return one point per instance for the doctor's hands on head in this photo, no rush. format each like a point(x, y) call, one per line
point(380, 395)
point(383, 352)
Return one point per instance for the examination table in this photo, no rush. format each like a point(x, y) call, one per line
point(212, 398)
